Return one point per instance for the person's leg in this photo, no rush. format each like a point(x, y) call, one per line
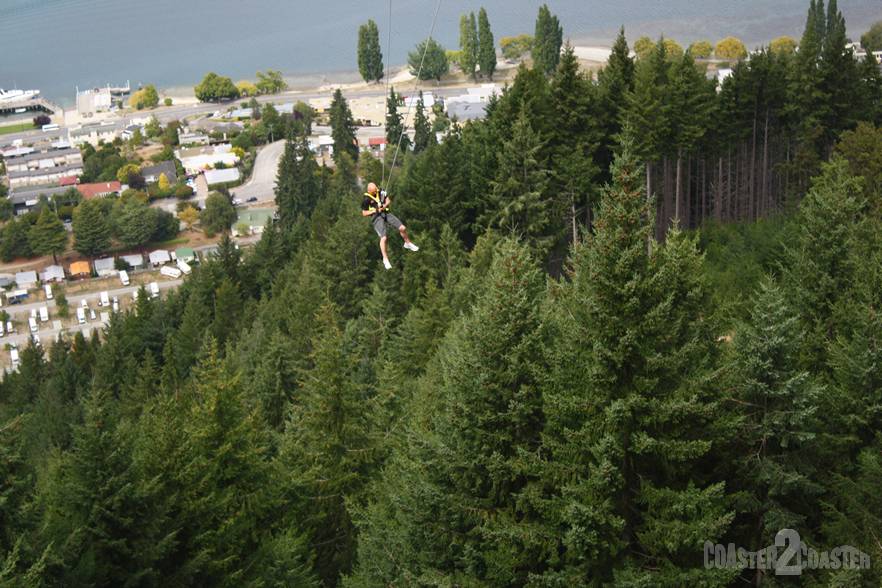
point(402, 230)
point(380, 228)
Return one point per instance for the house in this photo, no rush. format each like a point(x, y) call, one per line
point(12, 152)
point(100, 189)
point(463, 111)
point(159, 257)
point(45, 160)
point(26, 280)
point(53, 273)
point(129, 132)
point(42, 176)
point(106, 266)
point(151, 173)
point(80, 269)
point(197, 159)
point(134, 261)
point(23, 199)
point(322, 145)
point(222, 176)
point(94, 133)
point(193, 139)
point(185, 254)
point(68, 181)
point(376, 145)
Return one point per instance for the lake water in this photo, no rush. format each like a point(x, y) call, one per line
point(56, 45)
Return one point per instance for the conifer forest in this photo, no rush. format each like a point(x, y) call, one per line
point(646, 314)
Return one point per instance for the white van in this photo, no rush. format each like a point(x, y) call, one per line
point(13, 355)
point(105, 299)
point(170, 272)
point(48, 289)
point(44, 314)
point(154, 290)
point(115, 304)
point(33, 324)
point(184, 267)
point(10, 328)
point(124, 277)
point(81, 316)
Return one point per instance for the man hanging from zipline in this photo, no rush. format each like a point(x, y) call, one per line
point(376, 205)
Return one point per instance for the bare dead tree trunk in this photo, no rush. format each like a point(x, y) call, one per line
point(718, 204)
point(765, 196)
point(677, 187)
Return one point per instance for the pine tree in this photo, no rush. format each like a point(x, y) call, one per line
point(370, 56)
point(452, 506)
point(628, 420)
point(106, 523)
point(691, 99)
point(819, 269)
point(423, 135)
point(325, 455)
point(227, 506)
point(91, 229)
point(839, 73)
point(297, 183)
point(522, 203)
point(468, 45)
point(396, 137)
point(547, 41)
point(486, 46)
point(17, 488)
point(342, 128)
point(614, 83)
point(47, 236)
point(575, 136)
point(777, 404)
point(647, 111)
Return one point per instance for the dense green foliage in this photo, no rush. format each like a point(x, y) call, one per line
point(214, 88)
point(370, 56)
point(562, 388)
point(428, 60)
point(547, 41)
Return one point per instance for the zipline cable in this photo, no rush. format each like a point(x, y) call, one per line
point(412, 98)
point(388, 63)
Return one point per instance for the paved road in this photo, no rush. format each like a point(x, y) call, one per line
point(168, 113)
point(262, 183)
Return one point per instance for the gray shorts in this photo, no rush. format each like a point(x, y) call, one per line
point(381, 220)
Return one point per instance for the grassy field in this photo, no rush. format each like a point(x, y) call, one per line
point(17, 128)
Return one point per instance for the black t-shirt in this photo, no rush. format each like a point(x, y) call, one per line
point(369, 203)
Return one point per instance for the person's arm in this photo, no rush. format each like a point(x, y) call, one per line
point(369, 212)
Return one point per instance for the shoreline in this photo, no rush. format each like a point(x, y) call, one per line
point(182, 95)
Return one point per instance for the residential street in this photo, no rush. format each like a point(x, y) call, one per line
point(262, 183)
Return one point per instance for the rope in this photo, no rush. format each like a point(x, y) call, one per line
point(388, 63)
point(410, 106)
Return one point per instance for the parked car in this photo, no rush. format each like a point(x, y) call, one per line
point(44, 314)
point(104, 299)
point(81, 315)
point(32, 322)
point(92, 314)
point(124, 277)
point(252, 199)
point(154, 290)
point(48, 289)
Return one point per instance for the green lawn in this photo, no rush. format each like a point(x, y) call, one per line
point(17, 128)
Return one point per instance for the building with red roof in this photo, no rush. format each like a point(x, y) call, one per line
point(99, 189)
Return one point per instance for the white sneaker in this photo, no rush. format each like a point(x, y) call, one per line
point(386, 264)
point(411, 246)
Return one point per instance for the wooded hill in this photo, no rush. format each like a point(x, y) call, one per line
point(297, 416)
